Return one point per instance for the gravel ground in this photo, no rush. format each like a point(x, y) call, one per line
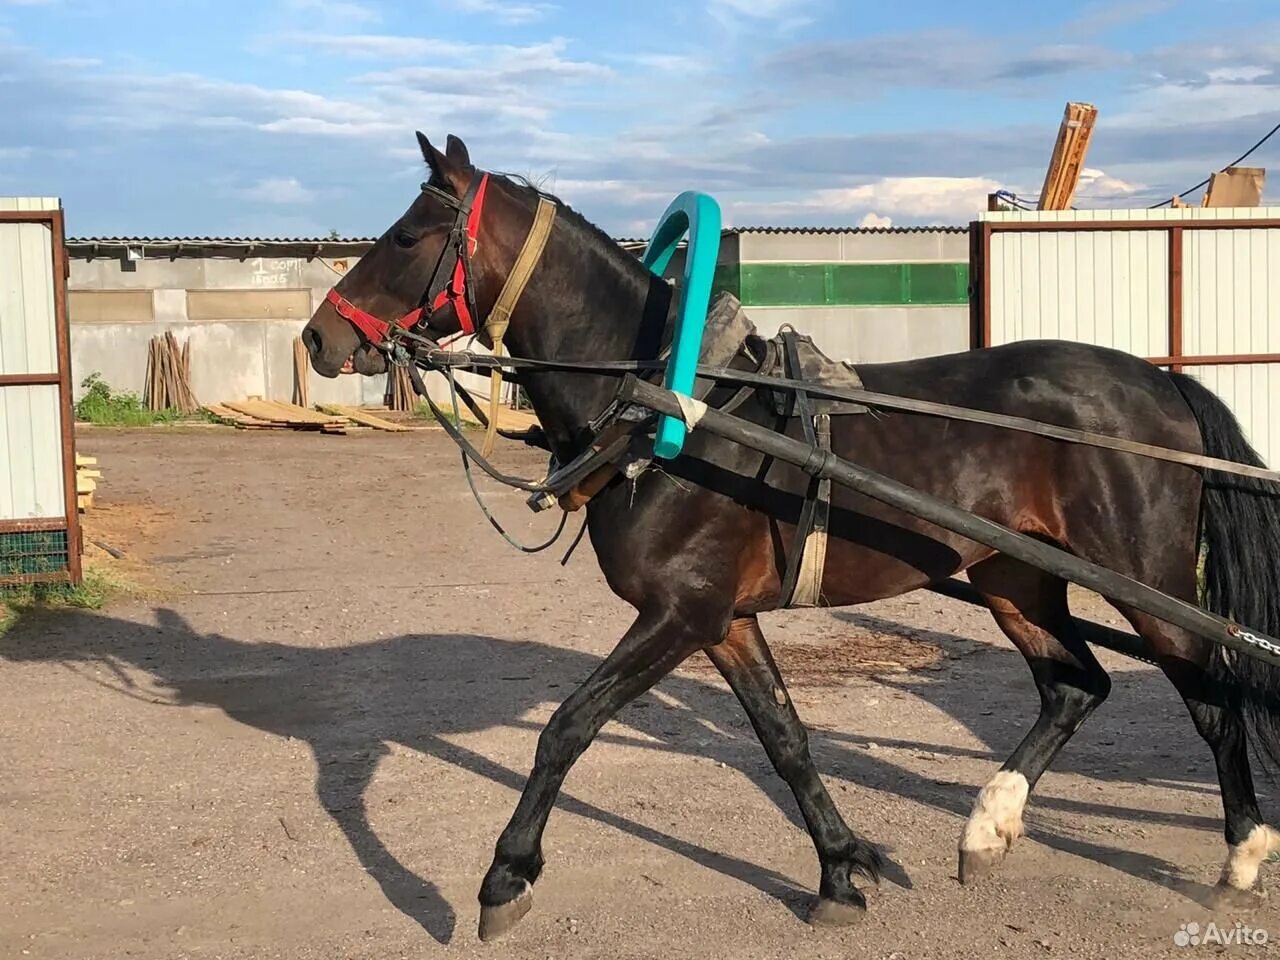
point(303, 740)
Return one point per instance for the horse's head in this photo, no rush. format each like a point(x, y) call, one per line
point(416, 273)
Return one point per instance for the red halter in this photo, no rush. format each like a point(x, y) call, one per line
point(455, 292)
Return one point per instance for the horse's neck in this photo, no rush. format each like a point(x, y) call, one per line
point(591, 305)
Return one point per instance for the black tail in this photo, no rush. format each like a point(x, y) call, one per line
point(1240, 534)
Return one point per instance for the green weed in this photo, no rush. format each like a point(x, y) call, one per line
point(101, 405)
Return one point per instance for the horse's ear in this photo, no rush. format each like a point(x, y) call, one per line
point(434, 159)
point(456, 151)
point(450, 170)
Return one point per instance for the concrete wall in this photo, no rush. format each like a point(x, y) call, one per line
point(241, 317)
point(868, 296)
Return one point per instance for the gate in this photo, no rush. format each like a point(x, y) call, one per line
point(39, 522)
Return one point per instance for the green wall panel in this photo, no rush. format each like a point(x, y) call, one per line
point(846, 284)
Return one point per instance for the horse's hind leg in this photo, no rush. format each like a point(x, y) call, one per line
point(743, 658)
point(1185, 659)
point(1031, 608)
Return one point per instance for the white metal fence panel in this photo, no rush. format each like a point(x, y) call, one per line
point(1250, 390)
point(1102, 287)
point(31, 479)
point(28, 325)
point(1229, 304)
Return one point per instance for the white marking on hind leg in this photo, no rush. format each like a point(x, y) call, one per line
point(1240, 872)
point(996, 820)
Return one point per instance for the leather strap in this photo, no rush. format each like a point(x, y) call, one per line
point(808, 588)
point(500, 316)
point(800, 407)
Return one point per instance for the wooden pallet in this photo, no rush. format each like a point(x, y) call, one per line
point(363, 418)
point(87, 477)
point(255, 413)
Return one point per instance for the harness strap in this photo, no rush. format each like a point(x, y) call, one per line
point(500, 316)
point(457, 291)
point(808, 587)
point(802, 408)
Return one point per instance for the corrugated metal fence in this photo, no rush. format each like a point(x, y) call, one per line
point(1187, 288)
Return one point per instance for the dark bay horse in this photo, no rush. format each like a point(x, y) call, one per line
point(699, 559)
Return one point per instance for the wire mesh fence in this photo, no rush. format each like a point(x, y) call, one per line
point(33, 556)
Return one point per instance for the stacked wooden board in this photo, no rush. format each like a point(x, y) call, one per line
point(1067, 163)
point(255, 413)
point(363, 417)
point(168, 379)
point(400, 395)
point(301, 374)
point(87, 477)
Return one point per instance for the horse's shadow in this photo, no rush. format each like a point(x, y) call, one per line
point(349, 703)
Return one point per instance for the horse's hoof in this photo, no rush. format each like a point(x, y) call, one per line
point(977, 864)
point(1227, 897)
point(495, 921)
point(833, 913)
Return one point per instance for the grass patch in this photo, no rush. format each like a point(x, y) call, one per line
point(423, 412)
point(94, 593)
point(103, 406)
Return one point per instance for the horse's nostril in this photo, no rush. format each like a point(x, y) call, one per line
point(311, 340)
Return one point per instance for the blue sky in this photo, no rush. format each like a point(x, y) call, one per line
point(221, 117)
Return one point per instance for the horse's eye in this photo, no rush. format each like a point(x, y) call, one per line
point(405, 238)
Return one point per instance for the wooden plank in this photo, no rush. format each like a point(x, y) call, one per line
point(1236, 187)
point(255, 409)
point(1067, 160)
point(363, 418)
point(295, 414)
point(241, 419)
point(301, 374)
point(83, 461)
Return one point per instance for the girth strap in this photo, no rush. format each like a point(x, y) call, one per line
point(802, 582)
point(500, 316)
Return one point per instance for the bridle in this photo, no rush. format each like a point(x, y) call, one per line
point(450, 284)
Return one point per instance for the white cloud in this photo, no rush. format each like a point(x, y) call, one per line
point(873, 221)
point(1237, 74)
point(339, 12)
point(371, 45)
point(951, 199)
point(278, 190)
point(625, 192)
point(505, 11)
point(757, 9)
point(1098, 185)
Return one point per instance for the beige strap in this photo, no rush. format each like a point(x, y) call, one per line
point(500, 316)
point(808, 591)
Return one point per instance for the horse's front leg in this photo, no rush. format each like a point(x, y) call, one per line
point(656, 644)
point(744, 659)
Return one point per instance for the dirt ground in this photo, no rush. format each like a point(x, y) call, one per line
point(305, 744)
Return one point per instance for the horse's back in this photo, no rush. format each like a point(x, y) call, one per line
point(1066, 383)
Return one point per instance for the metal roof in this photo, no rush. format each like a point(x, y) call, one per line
point(212, 241)
point(829, 230)
point(196, 242)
